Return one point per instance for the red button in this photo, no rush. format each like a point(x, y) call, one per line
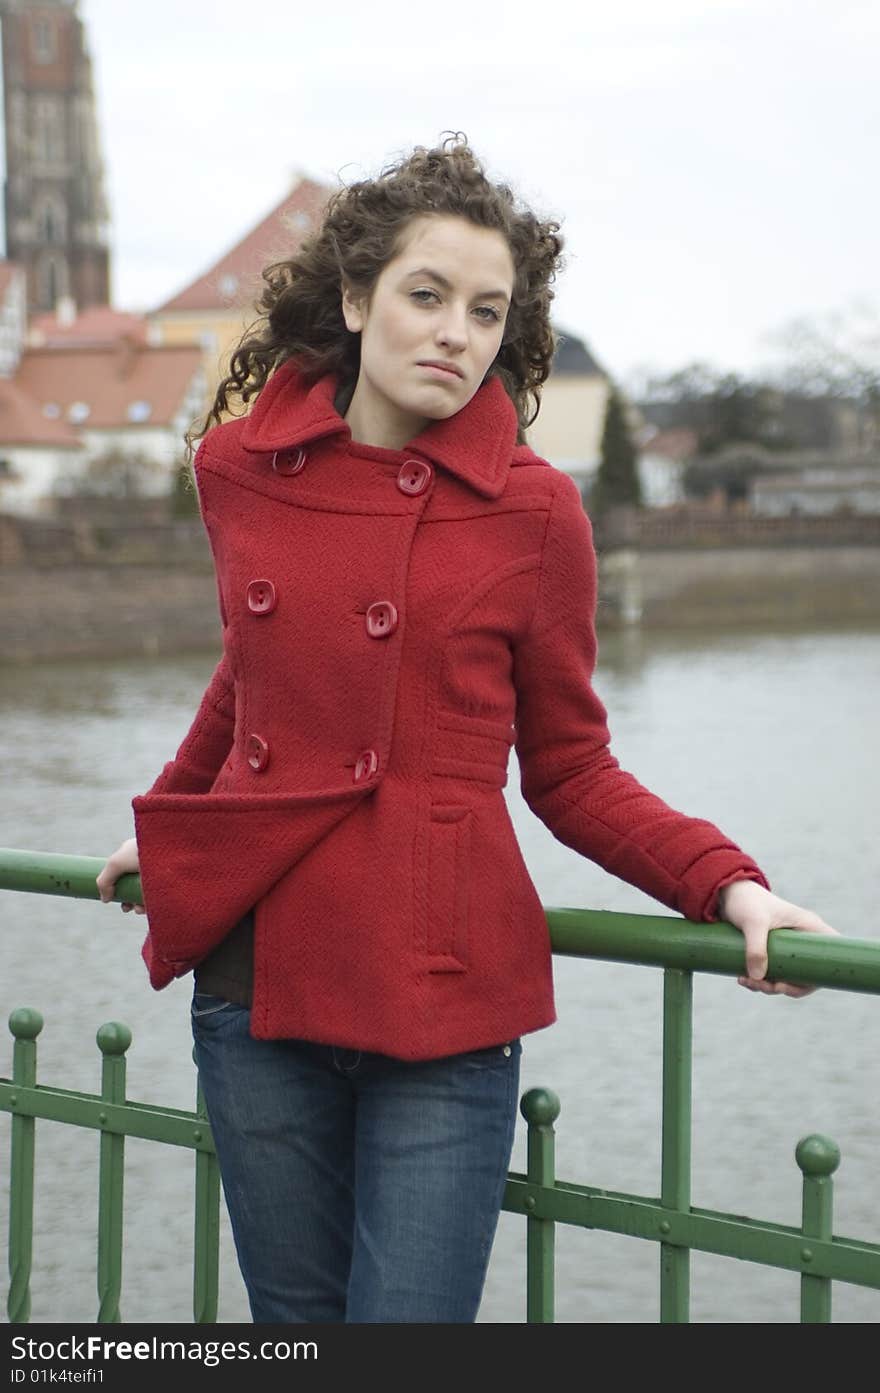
point(285, 463)
point(366, 766)
point(261, 597)
point(381, 619)
point(414, 477)
point(257, 752)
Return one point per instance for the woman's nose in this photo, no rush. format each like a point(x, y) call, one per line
point(452, 331)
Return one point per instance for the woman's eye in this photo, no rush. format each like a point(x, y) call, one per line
point(425, 296)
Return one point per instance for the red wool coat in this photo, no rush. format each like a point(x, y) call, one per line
point(393, 621)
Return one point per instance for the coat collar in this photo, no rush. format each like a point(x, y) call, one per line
point(475, 444)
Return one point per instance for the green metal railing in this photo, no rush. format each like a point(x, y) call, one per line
point(678, 946)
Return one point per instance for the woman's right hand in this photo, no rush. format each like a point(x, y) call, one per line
point(124, 861)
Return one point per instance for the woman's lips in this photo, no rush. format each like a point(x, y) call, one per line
point(441, 370)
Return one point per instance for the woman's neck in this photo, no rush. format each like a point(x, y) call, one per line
point(376, 422)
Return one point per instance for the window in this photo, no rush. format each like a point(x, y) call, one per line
point(52, 221)
point(18, 116)
point(78, 411)
point(44, 40)
point(51, 281)
point(139, 411)
point(49, 129)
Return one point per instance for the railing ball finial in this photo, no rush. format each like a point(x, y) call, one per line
point(540, 1107)
point(113, 1038)
point(25, 1023)
point(817, 1155)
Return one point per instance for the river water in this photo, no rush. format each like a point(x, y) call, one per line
point(774, 735)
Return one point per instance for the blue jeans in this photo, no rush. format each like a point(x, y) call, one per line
point(359, 1187)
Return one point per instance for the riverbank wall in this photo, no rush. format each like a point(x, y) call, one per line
point(75, 589)
point(745, 586)
point(664, 570)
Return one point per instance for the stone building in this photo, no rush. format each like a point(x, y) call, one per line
point(55, 207)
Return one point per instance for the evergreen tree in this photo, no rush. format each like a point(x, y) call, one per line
point(617, 482)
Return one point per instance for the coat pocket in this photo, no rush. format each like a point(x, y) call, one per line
point(448, 889)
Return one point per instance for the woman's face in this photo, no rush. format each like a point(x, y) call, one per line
point(442, 300)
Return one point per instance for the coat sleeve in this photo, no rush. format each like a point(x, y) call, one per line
point(207, 742)
point(569, 777)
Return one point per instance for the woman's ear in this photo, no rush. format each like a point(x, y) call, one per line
point(352, 311)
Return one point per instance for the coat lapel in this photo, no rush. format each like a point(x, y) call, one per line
point(475, 444)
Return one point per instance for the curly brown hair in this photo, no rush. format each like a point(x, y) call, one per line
point(362, 227)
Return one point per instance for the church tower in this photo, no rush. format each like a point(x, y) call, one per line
point(56, 212)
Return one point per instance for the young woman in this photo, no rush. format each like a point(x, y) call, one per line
point(406, 590)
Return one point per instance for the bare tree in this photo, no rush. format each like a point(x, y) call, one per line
point(835, 354)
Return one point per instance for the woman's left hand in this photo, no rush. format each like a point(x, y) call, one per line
point(755, 911)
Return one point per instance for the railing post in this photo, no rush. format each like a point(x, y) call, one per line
point(25, 1024)
point(206, 1238)
point(818, 1158)
point(675, 1192)
point(113, 1040)
point(540, 1108)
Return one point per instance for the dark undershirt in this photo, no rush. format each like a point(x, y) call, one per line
point(228, 971)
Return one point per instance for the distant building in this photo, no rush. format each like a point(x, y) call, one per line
point(56, 211)
point(103, 414)
point(35, 451)
point(663, 457)
point(568, 431)
point(215, 308)
point(817, 492)
point(96, 327)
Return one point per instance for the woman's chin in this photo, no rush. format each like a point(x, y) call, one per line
point(440, 404)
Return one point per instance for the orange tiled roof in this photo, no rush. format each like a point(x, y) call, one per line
point(235, 278)
point(97, 326)
point(676, 443)
point(110, 382)
point(22, 421)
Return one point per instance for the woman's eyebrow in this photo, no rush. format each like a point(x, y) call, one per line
point(447, 285)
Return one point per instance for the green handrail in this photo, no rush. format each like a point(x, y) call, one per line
point(676, 945)
point(654, 940)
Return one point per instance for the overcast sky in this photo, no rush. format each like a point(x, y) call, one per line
point(714, 163)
